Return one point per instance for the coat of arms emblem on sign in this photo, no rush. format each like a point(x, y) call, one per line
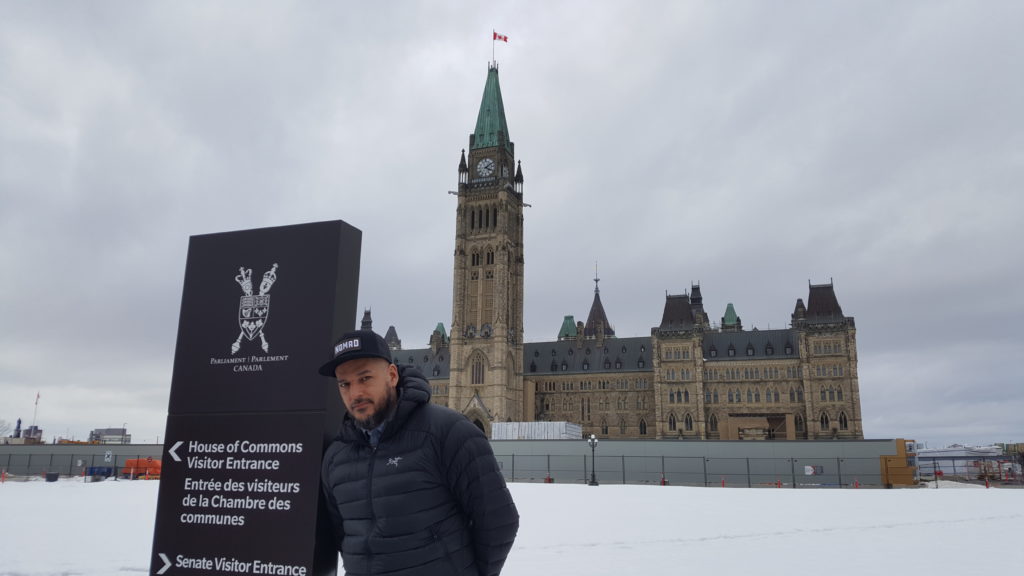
point(254, 309)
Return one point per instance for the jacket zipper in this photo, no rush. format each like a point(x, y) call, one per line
point(373, 511)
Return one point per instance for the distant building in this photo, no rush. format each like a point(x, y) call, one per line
point(689, 379)
point(110, 436)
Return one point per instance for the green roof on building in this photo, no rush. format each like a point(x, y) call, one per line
point(568, 329)
point(491, 128)
point(730, 316)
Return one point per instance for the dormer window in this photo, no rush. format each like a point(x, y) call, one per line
point(731, 351)
point(768, 350)
point(750, 349)
point(789, 349)
point(713, 352)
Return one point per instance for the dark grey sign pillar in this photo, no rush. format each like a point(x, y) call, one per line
point(249, 417)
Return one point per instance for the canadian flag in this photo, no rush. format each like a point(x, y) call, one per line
point(501, 37)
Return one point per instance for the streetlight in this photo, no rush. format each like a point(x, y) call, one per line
point(593, 460)
point(124, 433)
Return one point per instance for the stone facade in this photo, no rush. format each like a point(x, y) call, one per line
point(690, 379)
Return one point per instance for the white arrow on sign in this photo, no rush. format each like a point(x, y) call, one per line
point(167, 563)
point(175, 447)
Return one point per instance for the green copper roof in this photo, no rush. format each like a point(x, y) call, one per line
point(440, 328)
point(568, 329)
point(730, 316)
point(491, 128)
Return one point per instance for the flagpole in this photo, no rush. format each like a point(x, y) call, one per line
point(494, 35)
point(35, 410)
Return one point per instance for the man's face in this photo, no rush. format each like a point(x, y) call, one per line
point(368, 389)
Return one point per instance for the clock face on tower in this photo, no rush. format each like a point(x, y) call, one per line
point(485, 167)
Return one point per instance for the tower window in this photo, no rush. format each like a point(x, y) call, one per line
point(478, 372)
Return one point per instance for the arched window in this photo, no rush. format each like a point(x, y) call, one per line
point(824, 394)
point(643, 427)
point(604, 427)
point(730, 396)
point(671, 422)
point(799, 423)
point(671, 398)
point(757, 395)
point(776, 395)
point(713, 423)
point(750, 395)
point(831, 395)
point(707, 396)
point(824, 421)
point(478, 372)
point(844, 424)
point(686, 396)
point(800, 394)
point(839, 394)
point(688, 423)
point(714, 397)
point(622, 426)
point(679, 396)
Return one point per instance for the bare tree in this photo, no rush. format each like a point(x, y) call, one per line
point(5, 427)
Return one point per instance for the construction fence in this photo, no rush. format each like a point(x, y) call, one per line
point(27, 463)
point(694, 471)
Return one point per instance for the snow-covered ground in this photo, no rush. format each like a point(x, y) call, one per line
point(105, 528)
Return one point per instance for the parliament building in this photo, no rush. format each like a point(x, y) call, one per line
point(691, 379)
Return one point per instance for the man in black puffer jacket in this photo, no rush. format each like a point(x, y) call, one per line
point(413, 488)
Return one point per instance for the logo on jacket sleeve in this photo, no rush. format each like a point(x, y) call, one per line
point(394, 461)
point(254, 309)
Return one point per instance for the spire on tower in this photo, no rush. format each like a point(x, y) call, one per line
point(491, 127)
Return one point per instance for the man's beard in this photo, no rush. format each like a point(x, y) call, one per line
point(381, 414)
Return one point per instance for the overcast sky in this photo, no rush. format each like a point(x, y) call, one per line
point(749, 146)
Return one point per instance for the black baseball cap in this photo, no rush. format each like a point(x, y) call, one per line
point(353, 345)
